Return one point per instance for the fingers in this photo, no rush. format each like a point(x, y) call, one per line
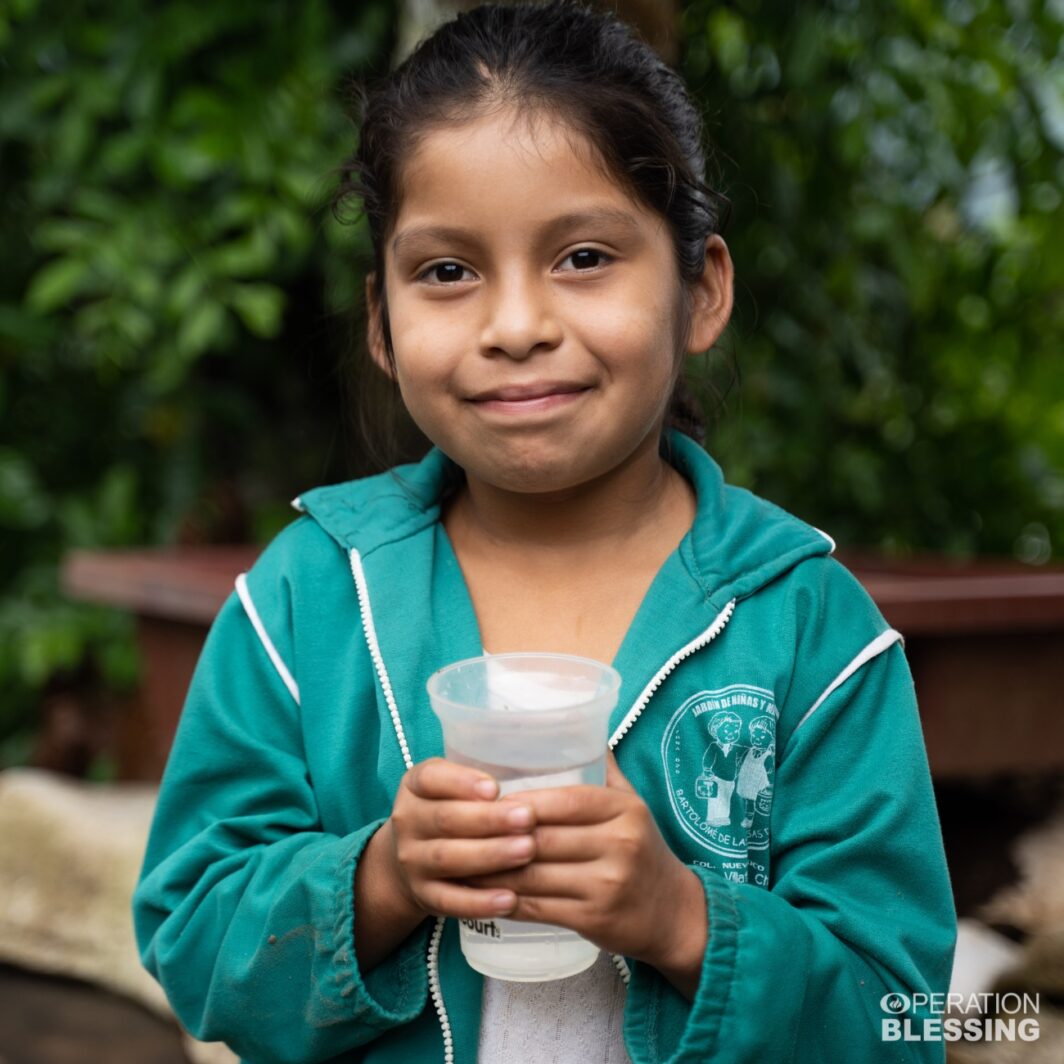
point(439, 778)
point(564, 843)
point(455, 899)
point(583, 804)
point(538, 880)
point(439, 800)
point(478, 820)
point(460, 858)
point(561, 912)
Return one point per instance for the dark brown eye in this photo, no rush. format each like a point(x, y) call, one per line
point(587, 258)
point(443, 273)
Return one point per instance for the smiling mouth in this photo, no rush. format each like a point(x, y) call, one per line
point(515, 390)
point(533, 405)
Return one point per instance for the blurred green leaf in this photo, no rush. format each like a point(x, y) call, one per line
point(57, 283)
point(898, 280)
point(260, 307)
point(23, 500)
point(252, 255)
point(201, 327)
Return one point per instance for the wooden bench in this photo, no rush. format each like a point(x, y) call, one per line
point(985, 641)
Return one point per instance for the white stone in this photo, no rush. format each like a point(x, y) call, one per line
point(982, 956)
point(1036, 902)
point(70, 856)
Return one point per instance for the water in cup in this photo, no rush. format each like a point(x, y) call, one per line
point(518, 950)
point(531, 721)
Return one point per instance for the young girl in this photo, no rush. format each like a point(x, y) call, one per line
point(547, 254)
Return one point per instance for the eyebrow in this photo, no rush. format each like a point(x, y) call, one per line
point(455, 235)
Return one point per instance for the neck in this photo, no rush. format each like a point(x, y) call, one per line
point(612, 510)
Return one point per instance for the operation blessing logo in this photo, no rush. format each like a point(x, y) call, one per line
point(905, 1024)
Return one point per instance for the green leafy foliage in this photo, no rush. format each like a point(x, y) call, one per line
point(170, 268)
point(899, 246)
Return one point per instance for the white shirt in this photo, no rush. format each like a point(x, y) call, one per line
point(578, 1020)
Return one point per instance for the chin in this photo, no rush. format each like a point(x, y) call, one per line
point(529, 471)
point(534, 481)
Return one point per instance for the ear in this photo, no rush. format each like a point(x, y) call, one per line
point(713, 297)
point(375, 329)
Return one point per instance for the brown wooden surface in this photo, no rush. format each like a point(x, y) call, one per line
point(985, 641)
point(938, 597)
point(170, 650)
point(50, 1020)
point(991, 702)
point(179, 584)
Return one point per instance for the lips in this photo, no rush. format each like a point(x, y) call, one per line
point(513, 393)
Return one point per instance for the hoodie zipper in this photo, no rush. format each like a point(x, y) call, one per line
point(640, 704)
point(633, 714)
point(370, 630)
point(697, 643)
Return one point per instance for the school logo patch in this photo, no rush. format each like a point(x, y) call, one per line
point(719, 753)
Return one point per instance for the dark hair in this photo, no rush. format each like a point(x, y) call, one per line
point(560, 58)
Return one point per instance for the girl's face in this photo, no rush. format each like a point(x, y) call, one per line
point(534, 306)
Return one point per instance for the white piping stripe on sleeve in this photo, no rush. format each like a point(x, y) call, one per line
point(876, 647)
point(267, 642)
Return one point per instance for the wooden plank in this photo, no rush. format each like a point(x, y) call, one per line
point(968, 602)
point(990, 702)
point(170, 650)
point(180, 584)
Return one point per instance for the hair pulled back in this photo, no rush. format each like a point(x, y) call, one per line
point(567, 61)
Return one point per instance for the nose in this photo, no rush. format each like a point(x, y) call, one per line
point(521, 318)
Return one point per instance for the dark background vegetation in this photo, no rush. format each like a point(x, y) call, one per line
point(178, 305)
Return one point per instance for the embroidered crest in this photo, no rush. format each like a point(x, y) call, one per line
point(719, 756)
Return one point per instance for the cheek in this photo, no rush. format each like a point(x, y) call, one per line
point(426, 350)
point(633, 338)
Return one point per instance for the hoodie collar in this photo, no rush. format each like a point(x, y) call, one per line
point(737, 543)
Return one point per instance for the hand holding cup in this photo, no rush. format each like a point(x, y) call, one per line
point(446, 826)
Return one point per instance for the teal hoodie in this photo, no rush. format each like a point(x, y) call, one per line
point(766, 716)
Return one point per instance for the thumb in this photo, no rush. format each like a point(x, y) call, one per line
point(614, 776)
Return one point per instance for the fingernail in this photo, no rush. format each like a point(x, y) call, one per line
point(486, 788)
point(502, 903)
point(519, 817)
point(521, 847)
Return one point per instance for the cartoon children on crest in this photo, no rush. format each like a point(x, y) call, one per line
point(753, 778)
point(720, 765)
point(729, 766)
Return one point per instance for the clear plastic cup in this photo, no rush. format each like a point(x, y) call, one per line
point(530, 721)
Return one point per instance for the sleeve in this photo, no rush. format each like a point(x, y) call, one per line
point(859, 903)
point(244, 911)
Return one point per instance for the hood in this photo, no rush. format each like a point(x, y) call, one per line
point(737, 544)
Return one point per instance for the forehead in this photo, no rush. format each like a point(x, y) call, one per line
point(511, 172)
